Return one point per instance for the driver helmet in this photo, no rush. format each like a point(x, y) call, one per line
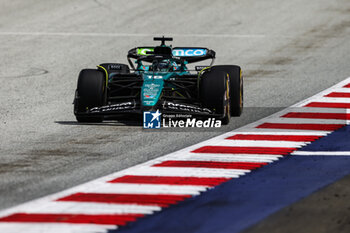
point(164, 65)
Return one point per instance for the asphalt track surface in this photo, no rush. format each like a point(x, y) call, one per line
point(289, 50)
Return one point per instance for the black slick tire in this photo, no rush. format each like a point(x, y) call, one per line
point(214, 93)
point(90, 93)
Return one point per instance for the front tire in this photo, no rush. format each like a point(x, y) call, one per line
point(90, 93)
point(215, 93)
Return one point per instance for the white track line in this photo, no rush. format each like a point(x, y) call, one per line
point(54, 228)
point(67, 207)
point(115, 188)
point(345, 90)
point(223, 157)
point(285, 131)
point(325, 153)
point(305, 121)
point(331, 100)
point(258, 143)
point(315, 110)
point(191, 172)
point(281, 132)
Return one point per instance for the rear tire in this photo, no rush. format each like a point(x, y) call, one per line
point(214, 93)
point(236, 87)
point(89, 94)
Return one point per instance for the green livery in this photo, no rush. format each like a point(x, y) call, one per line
point(158, 78)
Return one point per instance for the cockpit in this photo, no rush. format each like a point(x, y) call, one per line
point(162, 66)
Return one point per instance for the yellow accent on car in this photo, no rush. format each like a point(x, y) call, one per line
point(106, 74)
point(227, 87)
point(199, 75)
point(228, 107)
point(200, 72)
point(179, 94)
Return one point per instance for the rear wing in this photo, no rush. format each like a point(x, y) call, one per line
point(189, 54)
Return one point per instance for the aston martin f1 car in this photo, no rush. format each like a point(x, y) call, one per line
point(159, 79)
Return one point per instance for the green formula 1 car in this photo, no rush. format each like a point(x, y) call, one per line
point(159, 79)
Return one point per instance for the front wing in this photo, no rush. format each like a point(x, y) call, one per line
point(133, 107)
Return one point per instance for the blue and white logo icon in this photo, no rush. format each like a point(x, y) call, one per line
point(151, 120)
